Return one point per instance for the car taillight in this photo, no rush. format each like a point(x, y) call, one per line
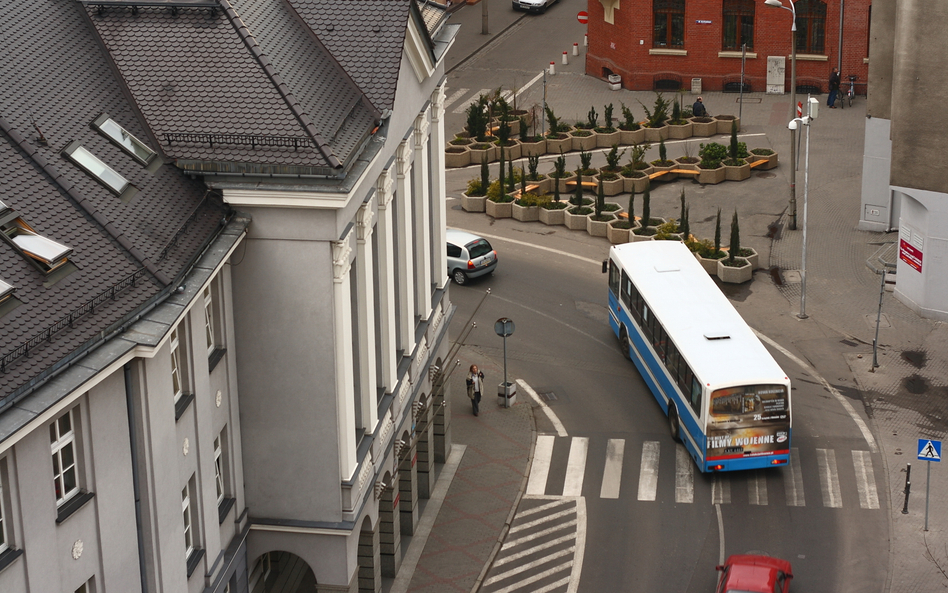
point(777, 461)
point(715, 468)
point(470, 264)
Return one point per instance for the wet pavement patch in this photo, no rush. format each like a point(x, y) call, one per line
point(776, 276)
point(915, 384)
point(773, 230)
point(916, 358)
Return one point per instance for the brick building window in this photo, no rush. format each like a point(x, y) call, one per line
point(738, 24)
point(811, 26)
point(669, 23)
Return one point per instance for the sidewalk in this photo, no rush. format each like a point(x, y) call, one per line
point(905, 399)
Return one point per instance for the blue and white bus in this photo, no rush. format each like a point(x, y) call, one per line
point(725, 397)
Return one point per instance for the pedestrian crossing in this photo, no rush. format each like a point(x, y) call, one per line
point(836, 479)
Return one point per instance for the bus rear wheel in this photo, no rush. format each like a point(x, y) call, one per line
point(674, 427)
point(625, 344)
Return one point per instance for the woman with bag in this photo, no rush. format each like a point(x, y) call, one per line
point(475, 382)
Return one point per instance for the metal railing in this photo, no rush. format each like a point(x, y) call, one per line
point(251, 140)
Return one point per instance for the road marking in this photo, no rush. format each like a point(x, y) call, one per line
point(521, 568)
point(545, 519)
point(794, 486)
point(540, 469)
point(612, 474)
point(865, 480)
point(454, 97)
point(537, 577)
point(534, 549)
point(544, 533)
point(560, 430)
point(717, 509)
point(557, 501)
point(648, 479)
point(860, 423)
point(757, 488)
point(580, 546)
point(720, 490)
point(463, 106)
point(684, 475)
point(829, 478)
point(576, 467)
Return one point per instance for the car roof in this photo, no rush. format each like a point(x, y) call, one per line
point(460, 237)
point(755, 573)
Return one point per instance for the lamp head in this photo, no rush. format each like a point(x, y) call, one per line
point(792, 125)
point(773, 3)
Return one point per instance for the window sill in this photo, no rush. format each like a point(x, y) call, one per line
point(812, 58)
point(224, 508)
point(659, 51)
point(215, 357)
point(737, 54)
point(182, 404)
point(68, 508)
point(194, 559)
point(8, 556)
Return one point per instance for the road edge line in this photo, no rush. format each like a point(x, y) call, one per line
point(550, 414)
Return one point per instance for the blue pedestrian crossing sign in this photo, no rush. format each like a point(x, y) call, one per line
point(929, 450)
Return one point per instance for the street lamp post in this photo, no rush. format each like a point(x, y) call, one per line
point(793, 108)
point(812, 111)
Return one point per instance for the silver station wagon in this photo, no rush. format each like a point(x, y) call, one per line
point(469, 256)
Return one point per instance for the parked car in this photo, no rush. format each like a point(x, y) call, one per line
point(469, 256)
point(754, 573)
point(533, 5)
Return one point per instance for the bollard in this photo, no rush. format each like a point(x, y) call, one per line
point(575, 49)
point(552, 69)
point(565, 58)
point(585, 40)
point(908, 487)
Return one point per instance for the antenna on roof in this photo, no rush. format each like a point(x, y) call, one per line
point(41, 138)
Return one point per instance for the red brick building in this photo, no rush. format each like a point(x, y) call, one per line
point(664, 44)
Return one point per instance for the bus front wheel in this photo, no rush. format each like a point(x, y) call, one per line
point(673, 426)
point(625, 344)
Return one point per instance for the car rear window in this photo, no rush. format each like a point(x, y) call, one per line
point(478, 248)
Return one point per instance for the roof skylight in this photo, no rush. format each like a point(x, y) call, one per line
point(8, 300)
point(124, 139)
point(50, 254)
point(95, 167)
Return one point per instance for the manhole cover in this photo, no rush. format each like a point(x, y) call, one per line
point(766, 175)
point(791, 276)
point(883, 321)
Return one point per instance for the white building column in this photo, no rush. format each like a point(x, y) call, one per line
point(342, 322)
point(438, 185)
point(365, 269)
point(386, 270)
point(405, 269)
point(422, 218)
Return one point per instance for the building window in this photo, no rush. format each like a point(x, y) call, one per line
point(669, 23)
point(177, 371)
point(219, 467)
point(4, 537)
point(738, 24)
point(811, 26)
point(86, 587)
point(62, 438)
point(209, 319)
point(186, 516)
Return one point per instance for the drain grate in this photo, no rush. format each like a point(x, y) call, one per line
point(548, 396)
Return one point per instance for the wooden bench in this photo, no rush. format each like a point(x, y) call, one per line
point(677, 171)
point(530, 188)
point(589, 184)
point(758, 163)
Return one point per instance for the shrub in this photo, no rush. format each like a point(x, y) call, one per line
point(608, 115)
point(662, 154)
point(532, 163)
point(592, 118)
point(485, 174)
point(637, 154)
point(762, 151)
point(712, 154)
point(531, 199)
point(613, 156)
point(475, 187)
point(601, 198)
point(557, 205)
point(585, 159)
point(658, 115)
point(629, 122)
point(553, 121)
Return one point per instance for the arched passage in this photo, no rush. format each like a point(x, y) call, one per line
point(390, 533)
point(281, 572)
point(370, 569)
point(424, 432)
point(408, 483)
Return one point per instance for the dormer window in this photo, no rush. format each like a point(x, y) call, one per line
point(124, 139)
point(50, 257)
point(102, 173)
point(8, 300)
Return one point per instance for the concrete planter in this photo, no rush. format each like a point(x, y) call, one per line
point(737, 173)
point(704, 126)
point(632, 137)
point(607, 139)
point(618, 236)
point(457, 156)
point(499, 209)
point(724, 123)
point(711, 176)
point(656, 134)
point(511, 152)
point(563, 181)
point(770, 164)
point(525, 213)
point(681, 163)
point(710, 265)
point(477, 154)
point(612, 187)
point(680, 132)
point(633, 238)
point(753, 258)
point(558, 145)
point(473, 203)
point(733, 275)
point(553, 217)
point(666, 176)
point(533, 148)
point(545, 185)
point(582, 142)
point(514, 126)
point(599, 228)
point(575, 222)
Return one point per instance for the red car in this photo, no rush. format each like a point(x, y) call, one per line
point(752, 573)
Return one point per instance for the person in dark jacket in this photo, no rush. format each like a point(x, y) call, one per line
point(698, 109)
point(475, 383)
point(834, 89)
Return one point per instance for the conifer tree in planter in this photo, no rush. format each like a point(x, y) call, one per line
point(663, 164)
point(557, 140)
point(734, 269)
point(649, 225)
point(736, 167)
point(597, 223)
point(607, 134)
point(473, 200)
point(630, 132)
point(584, 136)
point(656, 125)
point(553, 212)
point(577, 214)
point(711, 170)
point(678, 127)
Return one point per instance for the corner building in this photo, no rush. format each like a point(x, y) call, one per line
point(223, 295)
point(680, 44)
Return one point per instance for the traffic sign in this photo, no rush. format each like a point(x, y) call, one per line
point(799, 108)
point(583, 17)
point(929, 450)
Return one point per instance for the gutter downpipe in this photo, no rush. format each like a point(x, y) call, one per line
point(136, 488)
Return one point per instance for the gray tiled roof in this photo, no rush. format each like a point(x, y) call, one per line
point(55, 70)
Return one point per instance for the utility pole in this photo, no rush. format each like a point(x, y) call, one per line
point(484, 30)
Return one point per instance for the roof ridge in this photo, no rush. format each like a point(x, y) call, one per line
point(250, 41)
point(82, 201)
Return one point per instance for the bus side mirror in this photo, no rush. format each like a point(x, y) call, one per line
point(605, 266)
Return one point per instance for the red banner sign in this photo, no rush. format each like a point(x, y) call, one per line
point(910, 255)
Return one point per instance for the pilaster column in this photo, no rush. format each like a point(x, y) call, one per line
point(386, 262)
point(438, 206)
point(342, 322)
point(365, 267)
point(422, 218)
point(406, 269)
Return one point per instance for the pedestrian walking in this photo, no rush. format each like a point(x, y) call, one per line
point(475, 382)
point(698, 108)
point(834, 89)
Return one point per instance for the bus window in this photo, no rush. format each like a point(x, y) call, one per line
point(626, 286)
point(647, 321)
point(660, 341)
point(695, 395)
point(614, 278)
